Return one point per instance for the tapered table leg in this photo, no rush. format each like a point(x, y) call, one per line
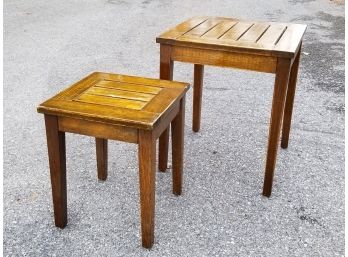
point(102, 157)
point(178, 148)
point(166, 72)
point(280, 87)
point(57, 161)
point(290, 101)
point(163, 150)
point(197, 96)
point(147, 167)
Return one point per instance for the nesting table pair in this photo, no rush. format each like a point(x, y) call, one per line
point(140, 110)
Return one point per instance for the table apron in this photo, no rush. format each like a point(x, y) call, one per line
point(164, 122)
point(224, 59)
point(98, 129)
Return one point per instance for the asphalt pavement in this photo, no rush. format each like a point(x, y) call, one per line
point(48, 45)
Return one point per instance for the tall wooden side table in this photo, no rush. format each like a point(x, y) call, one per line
point(111, 106)
point(228, 42)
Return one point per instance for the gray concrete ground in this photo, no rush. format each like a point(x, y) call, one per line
point(51, 44)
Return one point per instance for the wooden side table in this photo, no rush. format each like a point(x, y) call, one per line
point(118, 107)
point(227, 42)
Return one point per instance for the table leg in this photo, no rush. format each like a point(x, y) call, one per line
point(279, 95)
point(166, 72)
point(57, 161)
point(178, 147)
point(163, 150)
point(147, 175)
point(197, 96)
point(102, 157)
point(290, 101)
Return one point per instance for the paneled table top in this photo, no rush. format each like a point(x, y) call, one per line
point(265, 38)
point(116, 99)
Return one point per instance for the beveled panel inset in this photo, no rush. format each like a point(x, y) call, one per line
point(116, 99)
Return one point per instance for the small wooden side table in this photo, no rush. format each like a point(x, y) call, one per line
point(118, 107)
point(228, 42)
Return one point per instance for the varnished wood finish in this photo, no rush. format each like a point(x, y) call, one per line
point(249, 45)
point(163, 125)
point(229, 34)
point(279, 95)
point(166, 72)
point(57, 161)
point(108, 98)
point(163, 150)
point(147, 175)
point(197, 96)
point(102, 157)
point(125, 108)
point(98, 129)
point(99, 113)
point(178, 148)
point(225, 59)
point(289, 103)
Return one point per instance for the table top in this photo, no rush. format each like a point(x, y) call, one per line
point(230, 34)
point(116, 99)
